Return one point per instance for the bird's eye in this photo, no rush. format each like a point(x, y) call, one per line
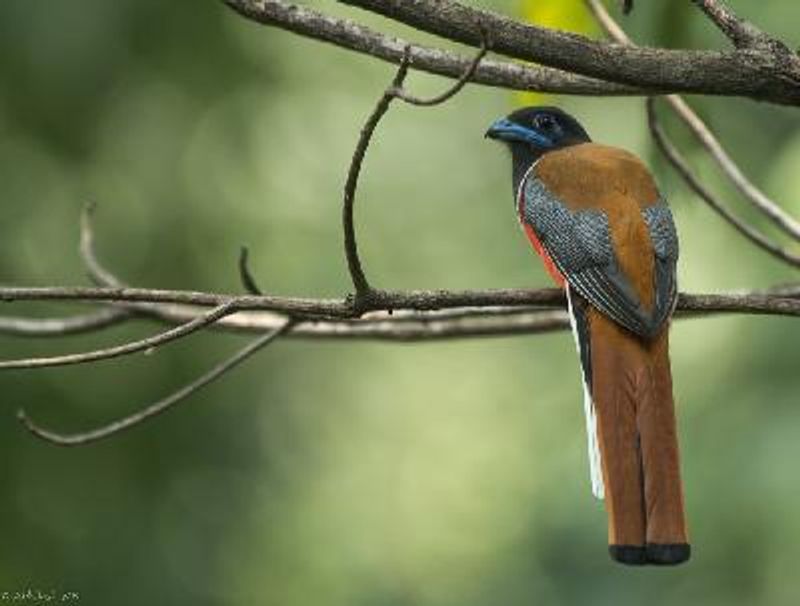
point(544, 122)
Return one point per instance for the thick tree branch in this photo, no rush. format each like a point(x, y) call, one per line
point(353, 36)
point(158, 407)
point(771, 76)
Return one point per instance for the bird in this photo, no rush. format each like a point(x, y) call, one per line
point(606, 235)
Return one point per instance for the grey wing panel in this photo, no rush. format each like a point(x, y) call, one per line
point(579, 242)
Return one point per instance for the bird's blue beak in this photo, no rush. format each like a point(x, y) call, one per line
point(506, 130)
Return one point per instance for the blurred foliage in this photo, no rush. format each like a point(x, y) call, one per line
point(566, 15)
point(349, 473)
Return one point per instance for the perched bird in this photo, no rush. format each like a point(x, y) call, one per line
point(606, 235)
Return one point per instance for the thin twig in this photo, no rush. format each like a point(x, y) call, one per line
point(758, 199)
point(156, 408)
point(742, 33)
point(98, 274)
point(607, 22)
point(459, 84)
point(248, 281)
point(627, 7)
point(679, 162)
point(148, 343)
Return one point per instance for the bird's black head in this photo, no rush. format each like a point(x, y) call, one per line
point(533, 131)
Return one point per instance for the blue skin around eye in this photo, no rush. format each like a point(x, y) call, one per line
point(509, 129)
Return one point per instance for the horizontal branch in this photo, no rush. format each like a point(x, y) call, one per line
point(768, 74)
point(782, 302)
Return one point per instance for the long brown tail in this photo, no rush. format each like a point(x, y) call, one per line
point(631, 386)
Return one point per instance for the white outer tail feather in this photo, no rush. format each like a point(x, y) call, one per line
point(595, 463)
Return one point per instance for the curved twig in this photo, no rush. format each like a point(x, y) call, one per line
point(357, 275)
point(459, 84)
point(97, 272)
point(156, 408)
point(248, 281)
point(393, 91)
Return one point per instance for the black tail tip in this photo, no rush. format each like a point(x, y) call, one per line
point(659, 554)
point(630, 555)
point(668, 554)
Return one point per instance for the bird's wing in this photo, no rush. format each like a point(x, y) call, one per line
point(580, 245)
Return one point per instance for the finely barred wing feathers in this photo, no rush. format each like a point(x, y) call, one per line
point(579, 243)
point(658, 218)
point(664, 237)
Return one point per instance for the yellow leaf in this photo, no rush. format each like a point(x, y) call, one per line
point(567, 15)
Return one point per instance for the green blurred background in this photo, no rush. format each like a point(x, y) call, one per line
point(355, 473)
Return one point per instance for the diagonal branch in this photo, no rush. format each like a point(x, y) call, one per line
point(742, 33)
point(158, 407)
point(758, 199)
point(679, 163)
point(751, 193)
